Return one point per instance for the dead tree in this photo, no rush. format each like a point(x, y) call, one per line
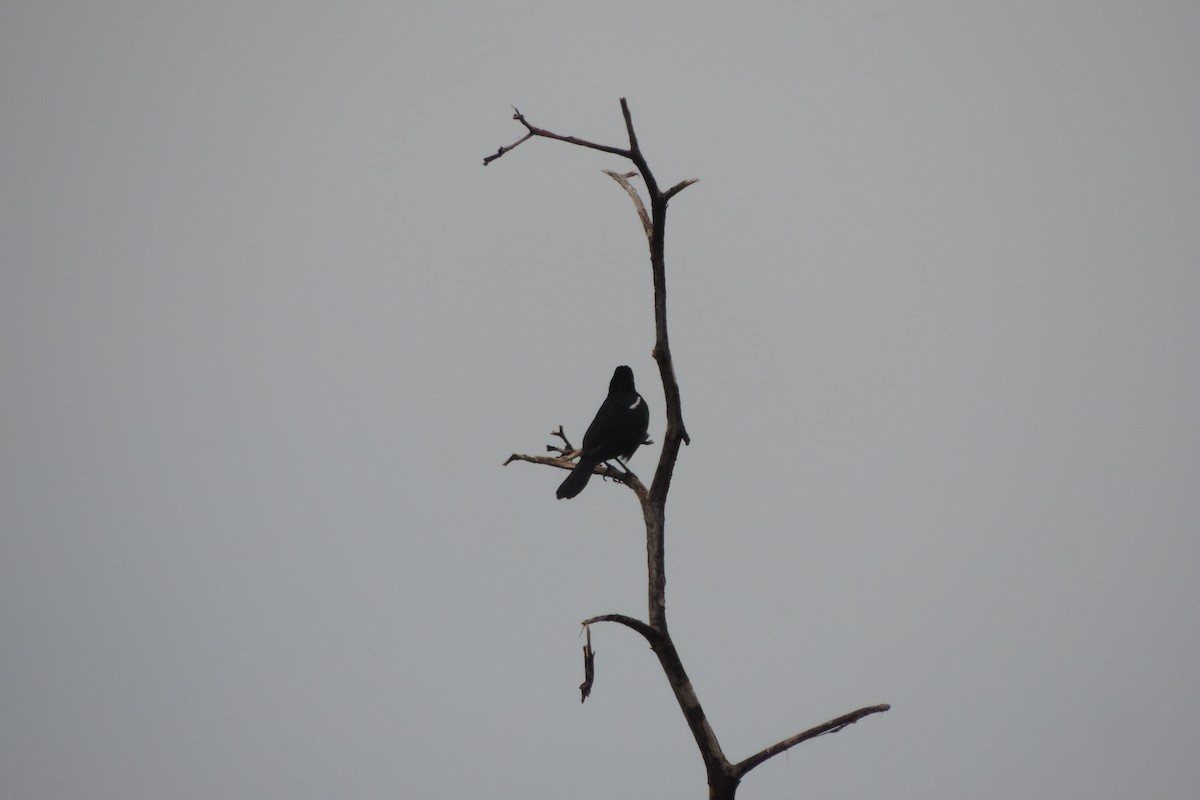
point(723, 775)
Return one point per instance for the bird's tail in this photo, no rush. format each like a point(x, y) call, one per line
point(578, 479)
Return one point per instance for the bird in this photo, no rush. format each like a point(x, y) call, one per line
point(617, 431)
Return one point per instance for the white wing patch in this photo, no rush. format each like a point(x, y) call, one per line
point(636, 403)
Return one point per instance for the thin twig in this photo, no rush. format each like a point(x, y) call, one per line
point(679, 187)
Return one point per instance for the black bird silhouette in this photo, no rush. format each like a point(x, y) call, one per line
point(619, 428)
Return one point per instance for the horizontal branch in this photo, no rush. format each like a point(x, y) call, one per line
point(551, 461)
point(832, 726)
point(533, 130)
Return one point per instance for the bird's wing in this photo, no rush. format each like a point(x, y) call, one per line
point(612, 417)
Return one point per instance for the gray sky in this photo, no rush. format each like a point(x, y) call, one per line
point(268, 330)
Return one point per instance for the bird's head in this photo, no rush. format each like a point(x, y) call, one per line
point(622, 380)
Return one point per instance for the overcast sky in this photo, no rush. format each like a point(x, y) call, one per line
point(268, 330)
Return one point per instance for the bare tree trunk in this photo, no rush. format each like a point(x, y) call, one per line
point(723, 776)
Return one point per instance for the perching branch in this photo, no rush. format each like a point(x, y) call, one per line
point(723, 776)
point(566, 460)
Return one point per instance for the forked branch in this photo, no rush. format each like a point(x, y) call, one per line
point(532, 131)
